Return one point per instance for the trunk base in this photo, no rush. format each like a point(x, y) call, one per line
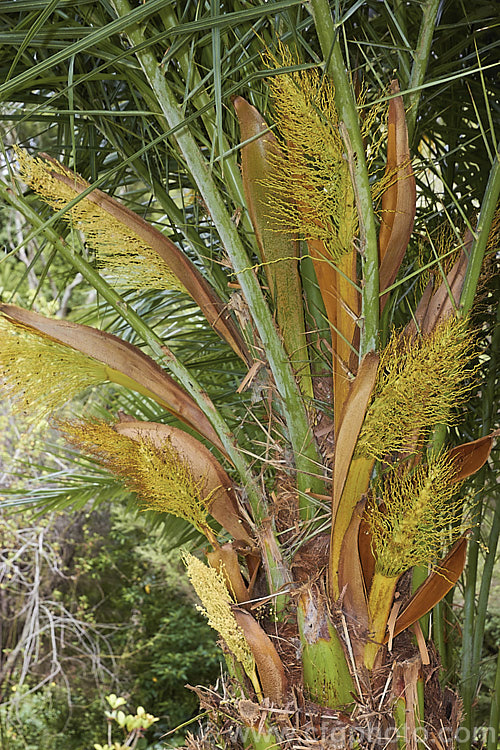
point(239, 723)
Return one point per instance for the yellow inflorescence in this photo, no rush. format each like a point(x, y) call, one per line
point(443, 249)
point(419, 382)
point(311, 186)
point(420, 514)
point(210, 586)
point(39, 374)
point(161, 479)
point(125, 257)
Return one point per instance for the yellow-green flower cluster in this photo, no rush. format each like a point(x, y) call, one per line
point(126, 258)
point(159, 476)
point(442, 248)
point(38, 374)
point(420, 381)
point(210, 586)
point(311, 186)
point(418, 516)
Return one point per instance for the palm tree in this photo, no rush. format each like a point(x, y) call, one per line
point(300, 334)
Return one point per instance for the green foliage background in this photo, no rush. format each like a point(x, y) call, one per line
point(128, 593)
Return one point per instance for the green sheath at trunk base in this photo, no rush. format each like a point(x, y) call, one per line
point(327, 679)
point(260, 741)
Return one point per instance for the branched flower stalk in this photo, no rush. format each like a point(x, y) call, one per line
point(126, 259)
point(311, 154)
point(211, 588)
point(420, 381)
point(39, 375)
point(328, 36)
point(159, 476)
point(417, 515)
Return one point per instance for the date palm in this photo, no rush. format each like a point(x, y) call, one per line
point(262, 184)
